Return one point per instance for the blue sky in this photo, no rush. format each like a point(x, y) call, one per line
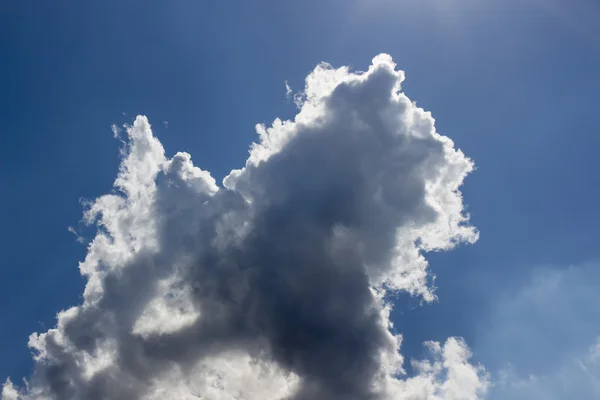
point(513, 83)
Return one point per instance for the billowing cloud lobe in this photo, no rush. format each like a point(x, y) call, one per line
point(271, 286)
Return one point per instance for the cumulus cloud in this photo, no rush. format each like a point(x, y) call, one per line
point(272, 285)
point(9, 392)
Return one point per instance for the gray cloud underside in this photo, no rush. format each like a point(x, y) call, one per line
point(272, 285)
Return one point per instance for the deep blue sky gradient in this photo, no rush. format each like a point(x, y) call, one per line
point(514, 83)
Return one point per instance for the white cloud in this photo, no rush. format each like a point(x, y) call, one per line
point(9, 392)
point(448, 375)
point(288, 90)
point(78, 237)
point(271, 286)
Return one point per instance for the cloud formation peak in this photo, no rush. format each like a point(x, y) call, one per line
point(271, 286)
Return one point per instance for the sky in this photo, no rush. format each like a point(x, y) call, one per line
point(116, 90)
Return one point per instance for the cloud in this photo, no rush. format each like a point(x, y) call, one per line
point(273, 285)
point(542, 339)
point(447, 375)
point(9, 392)
point(78, 237)
point(577, 377)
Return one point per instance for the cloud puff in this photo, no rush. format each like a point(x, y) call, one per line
point(273, 285)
